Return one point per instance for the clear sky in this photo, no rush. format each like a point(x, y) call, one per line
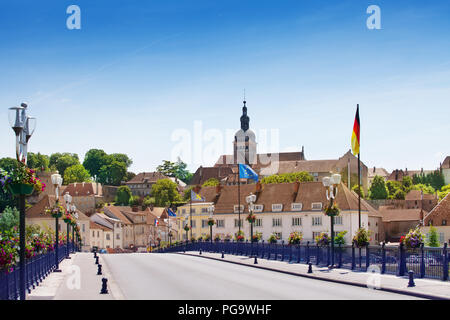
point(138, 71)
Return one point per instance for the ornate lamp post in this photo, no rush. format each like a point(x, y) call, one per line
point(68, 220)
point(23, 127)
point(186, 226)
point(331, 186)
point(211, 221)
point(57, 182)
point(75, 215)
point(251, 199)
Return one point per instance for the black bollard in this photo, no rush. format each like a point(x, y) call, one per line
point(99, 271)
point(310, 267)
point(200, 251)
point(256, 260)
point(95, 254)
point(223, 256)
point(96, 260)
point(411, 279)
point(104, 286)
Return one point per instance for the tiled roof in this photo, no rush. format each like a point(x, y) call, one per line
point(94, 225)
point(82, 189)
point(440, 212)
point(38, 210)
point(382, 172)
point(446, 163)
point(391, 215)
point(204, 173)
point(262, 158)
point(297, 166)
point(147, 177)
point(416, 195)
point(116, 212)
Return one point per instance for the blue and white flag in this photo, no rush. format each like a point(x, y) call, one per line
point(171, 213)
point(246, 172)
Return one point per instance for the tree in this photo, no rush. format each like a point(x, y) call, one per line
point(165, 193)
point(357, 189)
point(135, 201)
point(407, 183)
point(378, 189)
point(61, 161)
point(425, 188)
point(9, 219)
point(301, 176)
point(393, 187)
point(444, 192)
point(8, 164)
point(113, 174)
point(399, 195)
point(176, 170)
point(433, 238)
point(123, 195)
point(211, 182)
point(76, 173)
point(94, 159)
point(434, 179)
point(121, 157)
point(130, 175)
point(38, 161)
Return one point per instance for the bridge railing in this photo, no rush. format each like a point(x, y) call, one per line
point(426, 262)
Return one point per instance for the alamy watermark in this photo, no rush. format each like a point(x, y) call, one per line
point(74, 20)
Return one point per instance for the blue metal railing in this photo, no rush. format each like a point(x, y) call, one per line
point(426, 262)
point(37, 269)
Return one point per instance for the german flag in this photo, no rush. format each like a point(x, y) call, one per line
point(355, 134)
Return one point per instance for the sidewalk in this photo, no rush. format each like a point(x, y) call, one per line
point(77, 281)
point(424, 288)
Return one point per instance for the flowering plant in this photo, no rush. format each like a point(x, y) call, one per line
point(67, 217)
point(251, 218)
point(217, 237)
point(227, 238)
point(273, 238)
point(332, 211)
point(295, 238)
point(257, 236)
point(239, 236)
point(323, 239)
point(56, 211)
point(187, 228)
point(21, 174)
point(5, 179)
point(362, 237)
point(413, 239)
point(9, 252)
point(211, 222)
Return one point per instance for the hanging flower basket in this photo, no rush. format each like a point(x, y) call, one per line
point(56, 212)
point(413, 239)
point(239, 236)
point(67, 218)
point(332, 211)
point(295, 238)
point(21, 180)
point(251, 218)
point(323, 239)
point(211, 222)
point(273, 238)
point(187, 228)
point(361, 238)
point(21, 188)
point(257, 237)
point(216, 238)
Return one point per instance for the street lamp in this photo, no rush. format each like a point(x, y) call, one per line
point(75, 215)
point(57, 182)
point(211, 221)
point(68, 200)
point(186, 226)
point(251, 199)
point(331, 186)
point(23, 129)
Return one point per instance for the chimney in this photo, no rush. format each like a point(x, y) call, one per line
point(151, 207)
point(374, 169)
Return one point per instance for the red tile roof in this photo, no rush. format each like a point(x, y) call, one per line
point(147, 177)
point(439, 212)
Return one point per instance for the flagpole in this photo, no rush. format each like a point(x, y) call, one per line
point(359, 193)
point(190, 213)
point(239, 198)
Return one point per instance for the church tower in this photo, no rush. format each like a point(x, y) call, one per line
point(244, 144)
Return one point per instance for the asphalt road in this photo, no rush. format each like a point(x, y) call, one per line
point(178, 277)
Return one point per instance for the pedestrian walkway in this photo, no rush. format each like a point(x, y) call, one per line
point(78, 280)
point(425, 288)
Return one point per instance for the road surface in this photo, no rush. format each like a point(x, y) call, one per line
point(178, 277)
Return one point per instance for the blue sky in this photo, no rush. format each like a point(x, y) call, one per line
point(139, 70)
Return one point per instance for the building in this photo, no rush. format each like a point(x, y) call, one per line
point(86, 196)
point(439, 218)
point(141, 184)
point(126, 225)
point(398, 174)
point(445, 169)
point(36, 216)
point(280, 209)
point(372, 173)
point(114, 224)
point(397, 222)
point(101, 236)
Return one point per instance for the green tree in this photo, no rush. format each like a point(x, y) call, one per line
point(444, 192)
point(61, 161)
point(120, 157)
point(357, 189)
point(9, 219)
point(130, 175)
point(123, 196)
point(301, 176)
point(76, 173)
point(393, 187)
point(433, 238)
point(38, 161)
point(94, 159)
point(176, 170)
point(165, 193)
point(135, 201)
point(212, 182)
point(8, 164)
point(423, 187)
point(187, 193)
point(378, 189)
point(340, 238)
point(399, 195)
point(113, 174)
point(407, 183)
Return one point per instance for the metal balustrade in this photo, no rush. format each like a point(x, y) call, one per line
point(37, 269)
point(426, 262)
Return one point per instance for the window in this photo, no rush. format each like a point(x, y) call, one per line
point(192, 210)
point(258, 208)
point(296, 221)
point(316, 221)
point(93, 233)
point(204, 210)
point(107, 236)
point(315, 234)
point(276, 222)
point(277, 207)
point(118, 236)
point(296, 206)
point(220, 223)
point(338, 220)
point(316, 206)
point(204, 223)
point(236, 223)
point(258, 222)
point(441, 237)
point(279, 235)
point(98, 234)
point(83, 227)
point(236, 208)
point(183, 211)
point(193, 223)
point(444, 222)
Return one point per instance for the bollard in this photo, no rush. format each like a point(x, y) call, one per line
point(95, 254)
point(256, 260)
point(99, 271)
point(200, 252)
point(310, 267)
point(223, 256)
point(96, 260)
point(104, 286)
point(411, 279)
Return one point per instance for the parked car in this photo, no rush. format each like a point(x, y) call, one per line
point(413, 259)
point(430, 261)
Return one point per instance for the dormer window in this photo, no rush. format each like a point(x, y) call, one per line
point(258, 208)
point(236, 208)
point(277, 207)
point(316, 206)
point(296, 206)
